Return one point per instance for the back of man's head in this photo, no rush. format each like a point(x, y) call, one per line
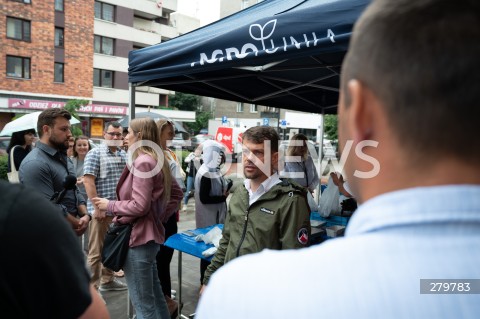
point(48, 117)
point(259, 134)
point(422, 60)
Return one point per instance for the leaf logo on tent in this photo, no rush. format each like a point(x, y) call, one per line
point(262, 32)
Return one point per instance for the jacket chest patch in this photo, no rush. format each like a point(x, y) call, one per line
point(266, 210)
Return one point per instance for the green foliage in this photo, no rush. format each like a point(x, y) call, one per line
point(201, 121)
point(331, 126)
point(3, 167)
point(73, 106)
point(184, 101)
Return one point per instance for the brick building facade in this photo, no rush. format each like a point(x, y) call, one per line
point(76, 54)
point(59, 50)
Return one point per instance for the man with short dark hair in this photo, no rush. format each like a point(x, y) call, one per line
point(47, 165)
point(410, 92)
point(266, 212)
point(102, 169)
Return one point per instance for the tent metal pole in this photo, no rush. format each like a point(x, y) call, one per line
point(131, 102)
point(321, 155)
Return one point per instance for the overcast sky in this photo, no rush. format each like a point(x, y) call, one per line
point(205, 10)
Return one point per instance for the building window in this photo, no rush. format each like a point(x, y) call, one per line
point(103, 45)
point(239, 107)
point(253, 108)
point(103, 78)
point(270, 109)
point(58, 73)
point(59, 5)
point(18, 67)
point(59, 37)
point(104, 11)
point(18, 29)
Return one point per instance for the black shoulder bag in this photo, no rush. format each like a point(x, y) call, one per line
point(115, 246)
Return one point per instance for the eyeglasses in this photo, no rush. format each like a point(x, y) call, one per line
point(114, 134)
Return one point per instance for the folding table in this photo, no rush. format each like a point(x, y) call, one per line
point(185, 243)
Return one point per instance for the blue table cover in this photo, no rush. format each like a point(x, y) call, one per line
point(186, 243)
point(331, 220)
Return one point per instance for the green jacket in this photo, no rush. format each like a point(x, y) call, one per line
point(279, 219)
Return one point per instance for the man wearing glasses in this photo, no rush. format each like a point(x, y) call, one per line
point(102, 169)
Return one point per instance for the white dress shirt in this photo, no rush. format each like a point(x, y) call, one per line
point(262, 189)
point(391, 242)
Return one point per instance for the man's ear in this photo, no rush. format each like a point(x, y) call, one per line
point(46, 130)
point(361, 111)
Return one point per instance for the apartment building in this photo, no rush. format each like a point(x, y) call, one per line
point(59, 50)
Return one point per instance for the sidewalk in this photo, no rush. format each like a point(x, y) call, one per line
point(117, 300)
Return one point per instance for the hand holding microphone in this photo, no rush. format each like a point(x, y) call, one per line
point(69, 183)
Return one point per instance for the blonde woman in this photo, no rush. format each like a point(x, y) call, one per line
point(147, 196)
point(303, 164)
point(164, 257)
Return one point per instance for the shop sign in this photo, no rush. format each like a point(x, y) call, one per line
point(96, 127)
point(42, 105)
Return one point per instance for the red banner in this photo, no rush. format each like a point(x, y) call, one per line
point(225, 135)
point(42, 105)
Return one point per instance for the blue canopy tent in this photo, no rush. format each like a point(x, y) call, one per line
point(278, 53)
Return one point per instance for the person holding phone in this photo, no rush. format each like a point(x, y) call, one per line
point(211, 191)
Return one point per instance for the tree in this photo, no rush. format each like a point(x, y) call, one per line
point(73, 106)
point(331, 126)
point(201, 121)
point(190, 102)
point(184, 101)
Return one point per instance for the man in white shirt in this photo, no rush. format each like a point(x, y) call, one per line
point(410, 92)
point(267, 212)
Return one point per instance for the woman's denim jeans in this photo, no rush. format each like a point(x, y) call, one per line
point(143, 284)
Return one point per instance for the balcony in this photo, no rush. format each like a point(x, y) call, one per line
point(150, 8)
point(118, 31)
point(151, 26)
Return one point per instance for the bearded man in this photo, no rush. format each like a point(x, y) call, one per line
point(46, 167)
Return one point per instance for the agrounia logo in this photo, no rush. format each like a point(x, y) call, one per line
point(263, 34)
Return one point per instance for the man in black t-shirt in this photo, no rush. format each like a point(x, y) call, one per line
point(31, 237)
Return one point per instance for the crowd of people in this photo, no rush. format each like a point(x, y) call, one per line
point(109, 190)
point(409, 82)
point(418, 222)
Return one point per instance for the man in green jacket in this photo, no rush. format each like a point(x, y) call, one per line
point(266, 212)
